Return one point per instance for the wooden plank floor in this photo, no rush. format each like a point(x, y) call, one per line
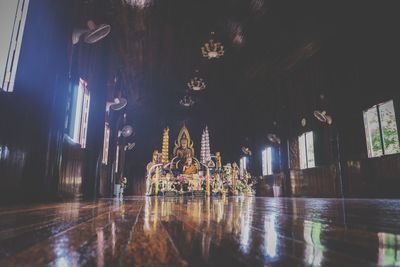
point(236, 231)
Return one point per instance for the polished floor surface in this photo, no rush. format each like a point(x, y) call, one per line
point(237, 231)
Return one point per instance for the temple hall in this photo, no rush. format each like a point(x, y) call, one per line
point(199, 133)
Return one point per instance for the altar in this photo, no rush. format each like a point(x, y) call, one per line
point(184, 174)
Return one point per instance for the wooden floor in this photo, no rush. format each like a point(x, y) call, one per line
point(237, 231)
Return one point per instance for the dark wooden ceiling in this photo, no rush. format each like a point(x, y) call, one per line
point(156, 49)
point(159, 47)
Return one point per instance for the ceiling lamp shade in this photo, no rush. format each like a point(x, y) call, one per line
point(186, 101)
point(212, 49)
point(197, 84)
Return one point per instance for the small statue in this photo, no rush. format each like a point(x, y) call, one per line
point(218, 160)
point(235, 168)
point(149, 179)
point(228, 173)
point(217, 185)
point(155, 160)
point(235, 175)
point(190, 167)
point(228, 169)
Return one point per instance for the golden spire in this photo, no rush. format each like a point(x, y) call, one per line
point(165, 146)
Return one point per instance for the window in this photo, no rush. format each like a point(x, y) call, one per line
point(106, 143)
point(79, 105)
point(306, 149)
point(243, 165)
point(117, 159)
point(267, 161)
point(4, 152)
point(389, 252)
point(13, 16)
point(381, 130)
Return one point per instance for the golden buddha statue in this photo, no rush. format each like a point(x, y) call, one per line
point(183, 145)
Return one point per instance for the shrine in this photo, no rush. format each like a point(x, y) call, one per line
point(185, 174)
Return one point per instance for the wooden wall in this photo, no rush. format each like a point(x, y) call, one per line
point(31, 117)
point(353, 75)
point(378, 177)
point(316, 182)
point(72, 171)
point(41, 164)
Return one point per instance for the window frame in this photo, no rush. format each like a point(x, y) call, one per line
point(242, 165)
point(368, 137)
point(106, 143)
point(305, 146)
point(7, 80)
point(267, 161)
point(77, 119)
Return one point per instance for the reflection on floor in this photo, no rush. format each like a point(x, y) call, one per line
point(237, 231)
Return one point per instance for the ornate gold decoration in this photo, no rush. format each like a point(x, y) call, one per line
point(183, 135)
point(212, 49)
point(218, 160)
point(165, 146)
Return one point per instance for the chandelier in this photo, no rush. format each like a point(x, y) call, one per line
point(186, 101)
point(212, 49)
point(197, 84)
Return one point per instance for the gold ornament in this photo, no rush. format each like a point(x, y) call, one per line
point(165, 146)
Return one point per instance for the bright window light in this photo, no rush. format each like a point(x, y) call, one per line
point(267, 161)
point(306, 150)
point(13, 16)
point(79, 113)
point(4, 152)
point(310, 150)
point(243, 165)
point(381, 130)
point(117, 159)
point(388, 254)
point(106, 143)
